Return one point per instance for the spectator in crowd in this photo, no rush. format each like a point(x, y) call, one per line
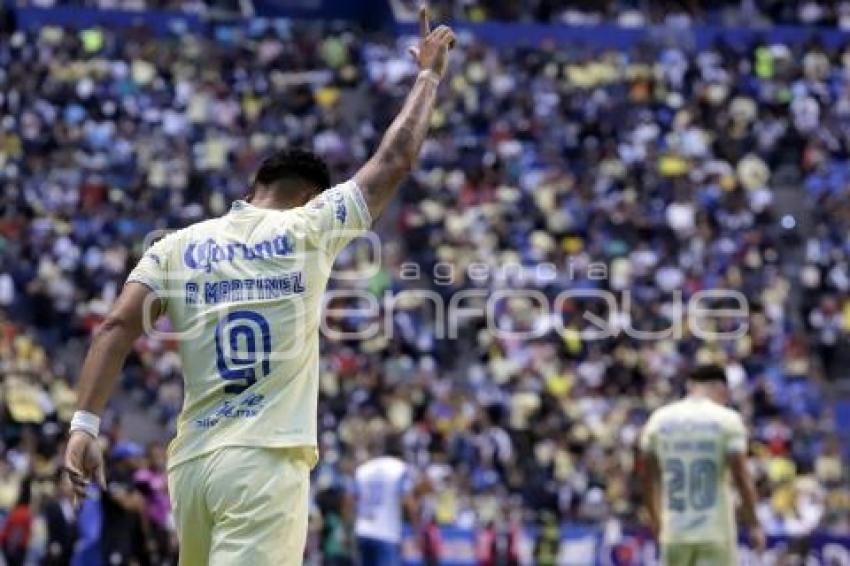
point(548, 543)
point(498, 544)
point(337, 513)
point(634, 13)
point(61, 523)
point(150, 480)
point(90, 529)
point(17, 528)
point(430, 542)
point(190, 6)
point(127, 539)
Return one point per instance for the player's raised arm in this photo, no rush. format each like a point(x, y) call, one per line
point(396, 156)
point(650, 476)
point(109, 349)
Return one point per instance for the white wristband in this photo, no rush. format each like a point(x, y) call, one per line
point(431, 75)
point(86, 422)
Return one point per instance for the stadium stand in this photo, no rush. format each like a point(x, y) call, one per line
point(636, 13)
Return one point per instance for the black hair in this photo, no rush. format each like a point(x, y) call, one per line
point(708, 373)
point(393, 445)
point(292, 165)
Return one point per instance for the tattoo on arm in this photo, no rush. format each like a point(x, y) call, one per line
point(400, 147)
point(111, 344)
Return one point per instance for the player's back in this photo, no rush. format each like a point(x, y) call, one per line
point(691, 440)
point(244, 291)
point(381, 484)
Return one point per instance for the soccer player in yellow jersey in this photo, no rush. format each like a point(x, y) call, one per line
point(244, 291)
point(690, 449)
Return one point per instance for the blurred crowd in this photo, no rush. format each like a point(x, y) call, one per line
point(627, 13)
point(652, 174)
point(634, 13)
point(188, 6)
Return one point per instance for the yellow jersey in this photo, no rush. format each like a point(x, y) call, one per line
point(691, 439)
point(243, 293)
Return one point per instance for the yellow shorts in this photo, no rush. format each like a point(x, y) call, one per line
point(242, 505)
point(699, 554)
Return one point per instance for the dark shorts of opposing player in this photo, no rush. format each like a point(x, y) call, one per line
point(374, 552)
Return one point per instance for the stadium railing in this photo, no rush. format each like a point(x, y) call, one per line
point(498, 34)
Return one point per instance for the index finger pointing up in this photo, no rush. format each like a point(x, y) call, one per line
point(424, 25)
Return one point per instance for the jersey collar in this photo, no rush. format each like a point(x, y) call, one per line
point(240, 205)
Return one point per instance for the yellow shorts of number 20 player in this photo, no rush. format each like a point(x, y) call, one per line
point(699, 554)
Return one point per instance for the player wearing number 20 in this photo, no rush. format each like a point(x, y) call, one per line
point(244, 291)
point(690, 448)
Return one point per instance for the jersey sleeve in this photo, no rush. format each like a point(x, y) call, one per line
point(736, 435)
point(337, 216)
point(649, 435)
point(407, 481)
point(152, 269)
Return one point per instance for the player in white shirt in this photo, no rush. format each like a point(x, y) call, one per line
point(690, 449)
point(386, 491)
point(244, 292)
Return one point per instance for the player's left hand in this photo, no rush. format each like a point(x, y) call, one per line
point(83, 463)
point(432, 52)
